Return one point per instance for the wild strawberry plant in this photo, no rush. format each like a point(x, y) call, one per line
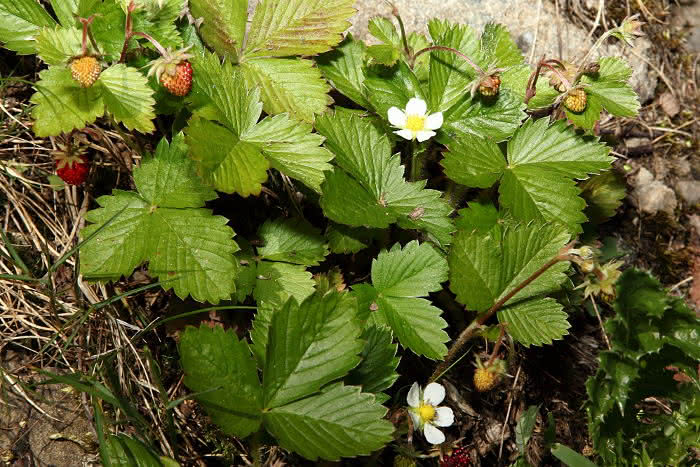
point(425, 118)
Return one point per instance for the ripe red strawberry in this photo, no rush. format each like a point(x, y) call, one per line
point(180, 83)
point(174, 71)
point(72, 167)
point(458, 458)
point(85, 70)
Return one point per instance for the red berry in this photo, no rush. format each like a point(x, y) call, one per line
point(180, 82)
point(458, 458)
point(73, 169)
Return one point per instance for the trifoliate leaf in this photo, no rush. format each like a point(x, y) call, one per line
point(309, 345)
point(343, 67)
point(399, 276)
point(377, 370)
point(66, 12)
point(292, 241)
point(603, 194)
point(392, 87)
point(535, 322)
point(297, 27)
point(542, 162)
point(607, 90)
point(128, 97)
point(288, 85)
point(20, 21)
point(235, 155)
point(220, 369)
point(368, 189)
point(62, 105)
point(480, 215)
point(56, 46)
point(187, 247)
point(224, 24)
point(338, 422)
point(494, 118)
point(485, 266)
point(291, 148)
point(345, 240)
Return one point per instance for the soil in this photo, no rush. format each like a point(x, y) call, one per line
point(552, 377)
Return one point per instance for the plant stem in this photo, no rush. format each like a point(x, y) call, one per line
point(415, 161)
point(468, 333)
point(454, 51)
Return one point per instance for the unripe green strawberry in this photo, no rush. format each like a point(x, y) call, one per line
point(576, 100)
point(85, 70)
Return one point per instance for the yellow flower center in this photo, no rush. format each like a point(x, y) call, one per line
point(426, 412)
point(415, 123)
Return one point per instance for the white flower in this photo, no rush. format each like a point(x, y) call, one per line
point(413, 122)
point(425, 413)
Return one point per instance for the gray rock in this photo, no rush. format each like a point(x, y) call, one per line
point(654, 197)
point(642, 177)
point(689, 191)
point(695, 223)
point(555, 37)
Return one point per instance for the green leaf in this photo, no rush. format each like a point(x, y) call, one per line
point(128, 97)
point(496, 118)
point(542, 161)
point(66, 11)
point(339, 422)
point(310, 345)
point(535, 322)
point(247, 271)
point(291, 147)
point(479, 215)
point(343, 67)
point(186, 246)
point(281, 28)
point(219, 367)
point(603, 194)
point(607, 90)
point(383, 54)
point(474, 162)
point(392, 87)
point(347, 240)
point(62, 105)
point(20, 22)
point(450, 75)
point(399, 276)
point(368, 189)
point(523, 429)
point(486, 266)
point(377, 370)
point(384, 30)
point(226, 162)
point(125, 451)
point(570, 457)
point(288, 85)
point(292, 241)
point(56, 46)
point(497, 47)
point(224, 24)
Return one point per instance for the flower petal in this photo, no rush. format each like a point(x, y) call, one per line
point(432, 434)
point(443, 417)
point(405, 134)
point(424, 135)
point(434, 121)
point(413, 397)
point(434, 394)
point(397, 117)
point(416, 106)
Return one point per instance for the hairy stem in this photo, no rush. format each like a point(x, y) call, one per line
point(415, 161)
point(470, 330)
point(454, 51)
